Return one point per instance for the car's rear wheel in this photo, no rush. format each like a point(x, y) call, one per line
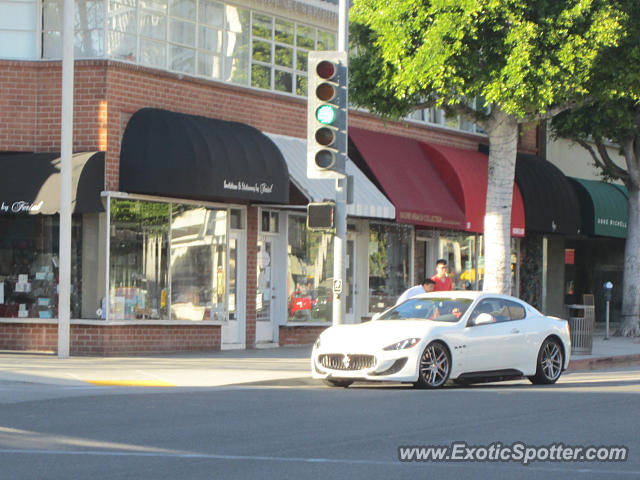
point(435, 366)
point(334, 382)
point(550, 362)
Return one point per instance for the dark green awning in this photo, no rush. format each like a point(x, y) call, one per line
point(604, 208)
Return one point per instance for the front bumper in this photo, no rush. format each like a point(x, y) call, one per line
point(391, 366)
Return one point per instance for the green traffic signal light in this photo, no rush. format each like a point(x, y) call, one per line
point(326, 114)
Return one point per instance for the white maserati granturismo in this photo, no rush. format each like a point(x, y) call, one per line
point(464, 336)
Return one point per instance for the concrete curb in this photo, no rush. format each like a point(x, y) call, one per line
point(602, 362)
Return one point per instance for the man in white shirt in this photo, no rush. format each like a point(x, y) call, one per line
point(427, 286)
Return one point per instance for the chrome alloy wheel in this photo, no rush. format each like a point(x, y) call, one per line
point(551, 361)
point(435, 366)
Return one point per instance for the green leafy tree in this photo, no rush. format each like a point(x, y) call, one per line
point(593, 127)
point(616, 117)
point(528, 59)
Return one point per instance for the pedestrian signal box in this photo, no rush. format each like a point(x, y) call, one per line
point(320, 216)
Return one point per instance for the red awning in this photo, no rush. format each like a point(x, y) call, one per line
point(465, 174)
point(407, 177)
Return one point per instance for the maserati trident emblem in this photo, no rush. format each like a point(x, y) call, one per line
point(346, 361)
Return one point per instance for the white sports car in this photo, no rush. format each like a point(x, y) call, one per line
point(462, 336)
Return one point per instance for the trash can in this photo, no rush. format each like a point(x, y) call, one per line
point(581, 323)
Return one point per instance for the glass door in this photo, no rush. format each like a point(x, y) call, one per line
point(233, 330)
point(264, 291)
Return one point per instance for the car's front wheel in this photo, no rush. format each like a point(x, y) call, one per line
point(334, 382)
point(550, 362)
point(435, 366)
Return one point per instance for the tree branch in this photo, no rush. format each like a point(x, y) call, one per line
point(604, 161)
point(468, 112)
point(555, 110)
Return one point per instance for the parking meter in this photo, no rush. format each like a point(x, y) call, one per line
point(608, 288)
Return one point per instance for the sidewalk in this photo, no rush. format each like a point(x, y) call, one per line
point(278, 366)
point(607, 353)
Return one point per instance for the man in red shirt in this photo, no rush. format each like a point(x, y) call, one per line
point(443, 281)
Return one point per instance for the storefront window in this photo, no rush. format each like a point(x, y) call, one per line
point(198, 263)
point(310, 273)
point(138, 260)
point(460, 252)
point(389, 261)
point(29, 266)
point(168, 261)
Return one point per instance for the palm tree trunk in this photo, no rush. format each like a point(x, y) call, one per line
point(503, 147)
point(630, 326)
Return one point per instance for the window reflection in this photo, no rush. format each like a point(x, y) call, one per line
point(198, 263)
point(138, 260)
point(310, 273)
point(389, 247)
point(161, 250)
point(460, 251)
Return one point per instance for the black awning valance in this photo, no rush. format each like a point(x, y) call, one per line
point(177, 155)
point(30, 183)
point(550, 201)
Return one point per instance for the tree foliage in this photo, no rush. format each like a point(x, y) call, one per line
point(527, 59)
point(523, 55)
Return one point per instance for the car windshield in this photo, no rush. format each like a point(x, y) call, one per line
point(438, 309)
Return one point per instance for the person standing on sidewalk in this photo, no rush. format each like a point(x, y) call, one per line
point(442, 280)
point(425, 287)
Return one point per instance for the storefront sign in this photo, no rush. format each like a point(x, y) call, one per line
point(239, 186)
point(20, 207)
point(610, 222)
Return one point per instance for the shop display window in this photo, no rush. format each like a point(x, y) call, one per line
point(309, 273)
point(465, 258)
point(167, 261)
point(465, 266)
point(29, 266)
point(389, 264)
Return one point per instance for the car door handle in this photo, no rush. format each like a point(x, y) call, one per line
point(515, 330)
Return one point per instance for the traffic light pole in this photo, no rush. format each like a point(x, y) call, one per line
point(340, 238)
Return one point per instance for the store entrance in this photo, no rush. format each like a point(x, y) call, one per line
point(264, 292)
point(233, 330)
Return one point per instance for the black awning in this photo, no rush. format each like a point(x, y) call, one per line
point(176, 155)
point(30, 183)
point(550, 201)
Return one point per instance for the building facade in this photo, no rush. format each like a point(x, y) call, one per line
point(191, 115)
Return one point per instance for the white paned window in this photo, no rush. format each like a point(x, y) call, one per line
point(436, 116)
point(89, 28)
point(206, 38)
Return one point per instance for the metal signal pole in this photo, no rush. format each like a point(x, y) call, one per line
point(340, 238)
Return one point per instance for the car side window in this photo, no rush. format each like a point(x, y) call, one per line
point(500, 309)
point(484, 306)
point(516, 311)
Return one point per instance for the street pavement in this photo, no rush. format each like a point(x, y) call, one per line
point(285, 366)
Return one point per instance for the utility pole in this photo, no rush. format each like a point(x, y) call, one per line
point(340, 238)
point(66, 150)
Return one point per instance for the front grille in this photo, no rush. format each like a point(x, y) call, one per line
point(338, 361)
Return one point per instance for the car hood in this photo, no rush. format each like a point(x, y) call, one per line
point(375, 335)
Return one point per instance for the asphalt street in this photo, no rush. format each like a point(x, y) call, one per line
point(311, 431)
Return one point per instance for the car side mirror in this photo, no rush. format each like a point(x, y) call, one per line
point(483, 319)
point(375, 317)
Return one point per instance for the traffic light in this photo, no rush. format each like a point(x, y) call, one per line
point(327, 114)
point(320, 216)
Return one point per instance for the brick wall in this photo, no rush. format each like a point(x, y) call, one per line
point(299, 335)
point(252, 275)
point(112, 340)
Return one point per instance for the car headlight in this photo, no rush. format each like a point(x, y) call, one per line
point(404, 344)
point(317, 344)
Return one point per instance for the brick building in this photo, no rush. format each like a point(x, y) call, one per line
point(165, 263)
